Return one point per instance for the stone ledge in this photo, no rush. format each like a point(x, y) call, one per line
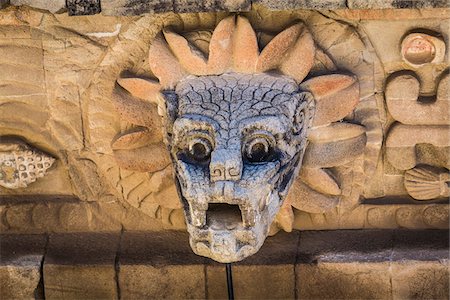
point(365, 264)
point(139, 7)
point(21, 258)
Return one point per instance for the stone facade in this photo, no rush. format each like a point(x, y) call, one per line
point(99, 99)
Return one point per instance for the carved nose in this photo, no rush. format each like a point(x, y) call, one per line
point(226, 164)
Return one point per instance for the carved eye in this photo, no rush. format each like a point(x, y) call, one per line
point(259, 149)
point(199, 149)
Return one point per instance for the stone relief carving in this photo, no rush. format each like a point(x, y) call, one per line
point(236, 125)
point(21, 165)
point(419, 140)
point(62, 73)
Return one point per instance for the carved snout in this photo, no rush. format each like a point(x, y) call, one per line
point(226, 164)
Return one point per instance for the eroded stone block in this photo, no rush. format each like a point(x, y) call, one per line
point(81, 266)
point(334, 280)
point(162, 282)
point(253, 281)
point(420, 279)
point(53, 6)
point(130, 7)
point(20, 266)
point(83, 7)
point(160, 266)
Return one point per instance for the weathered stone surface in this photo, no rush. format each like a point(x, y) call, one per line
point(409, 145)
point(83, 7)
point(382, 4)
point(361, 264)
point(346, 264)
point(419, 49)
point(128, 7)
point(155, 265)
point(81, 266)
point(303, 4)
point(54, 6)
point(20, 266)
point(420, 280)
point(58, 75)
point(4, 3)
point(334, 145)
point(162, 282)
point(344, 281)
point(253, 282)
point(406, 106)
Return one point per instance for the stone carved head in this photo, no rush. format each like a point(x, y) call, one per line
point(235, 122)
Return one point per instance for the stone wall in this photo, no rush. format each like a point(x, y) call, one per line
point(59, 72)
point(75, 164)
point(372, 264)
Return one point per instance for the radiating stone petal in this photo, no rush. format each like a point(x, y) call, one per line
point(319, 180)
point(164, 64)
point(272, 55)
point(336, 96)
point(245, 47)
point(334, 145)
point(221, 46)
point(300, 59)
point(136, 111)
point(191, 60)
point(306, 199)
point(141, 88)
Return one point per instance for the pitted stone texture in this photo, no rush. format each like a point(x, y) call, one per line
point(4, 3)
point(159, 266)
point(20, 266)
point(133, 7)
point(53, 6)
point(83, 7)
point(81, 266)
point(238, 140)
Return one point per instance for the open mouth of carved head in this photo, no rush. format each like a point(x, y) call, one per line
point(237, 143)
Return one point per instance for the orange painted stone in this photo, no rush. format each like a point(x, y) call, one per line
point(420, 48)
point(141, 88)
point(276, 50)
point(336, 96)
point(245, 52)
point(221, 46)
point(136, 111)
point(300, 58)
point(191, 59)
point(164, 64)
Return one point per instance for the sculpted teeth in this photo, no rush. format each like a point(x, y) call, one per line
point(248, 216)
point(198, 217)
